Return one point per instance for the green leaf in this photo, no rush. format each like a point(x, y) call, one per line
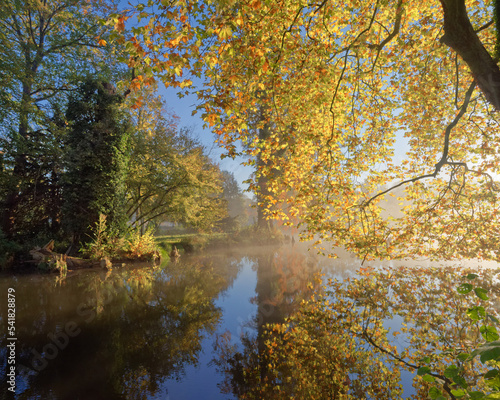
point(488, 351)
point(428, 378)
point(489, 333)
point(490, 354)
point(476, 395)
point(464, 288)
point(423, 371)
point(493, 396)
point(472, 276)
point(458, 393)
point(491, 373)
point(434, 393)
point(451, 371)
point(463, 356)
point(459, 380)
point(481, 293)
point(476, 313)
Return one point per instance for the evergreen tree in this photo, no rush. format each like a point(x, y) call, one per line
point(42, 45)
point(96, 159)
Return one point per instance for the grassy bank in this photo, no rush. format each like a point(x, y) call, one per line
point(194, 242)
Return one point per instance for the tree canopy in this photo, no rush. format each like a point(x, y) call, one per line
point(42, 47)
point(64, 139)
point(170, 175)
point(340, 85)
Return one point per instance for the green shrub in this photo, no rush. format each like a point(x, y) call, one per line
point(104, 242)
point(8, 250)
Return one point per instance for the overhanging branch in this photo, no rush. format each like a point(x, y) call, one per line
point(447, 383)
point(446, 146)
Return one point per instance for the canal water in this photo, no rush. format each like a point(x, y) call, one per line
point(152, 332)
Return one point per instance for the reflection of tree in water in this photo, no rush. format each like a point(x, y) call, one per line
point(137, 327)
point(338, 345)
point(284, 278)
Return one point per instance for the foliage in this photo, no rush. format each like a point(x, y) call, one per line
point(8, 249)
point(141, 246)
point(384, 320)
point(311, 356)
point(108, 243)
point(37, 211)
point(103, 241)
point(341, 87)
point(170, 177)
point(230, 187)
point(96, 158)
point(237, 204)
point(488, 352)
point(42, 45)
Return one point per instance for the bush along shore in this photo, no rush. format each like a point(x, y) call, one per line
point(104, 250)
point(46, 259)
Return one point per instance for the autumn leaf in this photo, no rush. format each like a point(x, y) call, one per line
point(332, 93)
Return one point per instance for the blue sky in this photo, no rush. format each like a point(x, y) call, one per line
point(183, 108)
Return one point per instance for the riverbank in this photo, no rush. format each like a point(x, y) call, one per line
point(195, 242)
point(105, 251)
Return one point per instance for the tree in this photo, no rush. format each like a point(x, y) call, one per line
point(42, 45)
point(343, 81)
point(230, 187)
point(96, 160)
point(353, 340)
point(237, 203)
point(169, 177)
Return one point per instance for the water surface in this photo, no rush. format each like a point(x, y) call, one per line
point(151, 332)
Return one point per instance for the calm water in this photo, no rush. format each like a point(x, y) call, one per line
point(150, 332)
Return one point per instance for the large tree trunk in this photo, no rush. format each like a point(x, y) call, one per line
point(459, 34)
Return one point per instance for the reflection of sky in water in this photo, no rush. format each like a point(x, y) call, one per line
point(239, 311)
point(238, 317)
point(237, 304)
point(201, 382)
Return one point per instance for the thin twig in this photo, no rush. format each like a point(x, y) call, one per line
point(444, 158)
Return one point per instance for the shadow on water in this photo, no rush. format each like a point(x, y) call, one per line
point(192, 329)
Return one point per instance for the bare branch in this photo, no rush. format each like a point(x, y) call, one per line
point(485, 26)
point(449, 128)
